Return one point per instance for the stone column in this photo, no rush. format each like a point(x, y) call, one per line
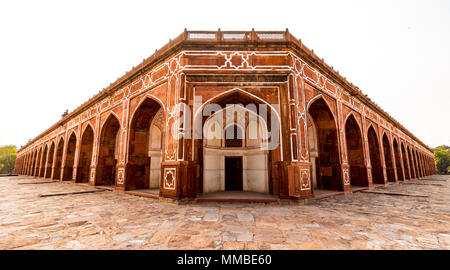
point(176, 180)
point(46, 161)
point(305, 166)
point(55, 151)
point(95, 149)
point(63, 158)
point(401, 159)
point(383, 157)
point(76, 154)
point(345, 167)
point(366, 148)
point(123, 149)
point(394, 161)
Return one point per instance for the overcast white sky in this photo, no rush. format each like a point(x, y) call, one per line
point(55, 55)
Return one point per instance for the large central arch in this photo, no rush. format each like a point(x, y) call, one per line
point(234, 152)
point(327, 164)
point(355, 152)
point(233, 155)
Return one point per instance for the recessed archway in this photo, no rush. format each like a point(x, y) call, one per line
point(405, 162)
point(58, 161)
point(411, 163)
point(48, 171)
point(355, 153)
point(388, 159)
point(419, 169)
point(35, 171)
point(43, 161)
point(85, 158)
point(375, 156)
point(398, 162)
point(108, 152)
point(70, 157)
point(233, 152)
point(327, 164)
point(419, 162)
point(145, 146)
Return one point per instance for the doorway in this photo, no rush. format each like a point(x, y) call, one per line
point(233, 173)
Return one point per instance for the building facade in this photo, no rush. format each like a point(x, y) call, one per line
point(229, 111)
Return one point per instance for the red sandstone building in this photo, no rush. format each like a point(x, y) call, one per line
point(141, 134)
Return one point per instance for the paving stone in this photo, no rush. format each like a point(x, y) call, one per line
point(123, 237)
point(310, 226)
point(244, 237)
point(245, 217)
point(238, 229)
point(228, 236)
point(213, 217)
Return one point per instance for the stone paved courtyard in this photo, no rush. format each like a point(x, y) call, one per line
point(113, 220)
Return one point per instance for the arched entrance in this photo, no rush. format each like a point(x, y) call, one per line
point(35, 171)
point(327, 164)
point(233, 153)
point(43, 161)
point(375, 157)
point(85, 160)
point(419, 163)
point(388, 159)
point(58, 161)
point(405, 162)
point(398, 162)
point(33, 162)
point(108, 153)
point(355, 152)
point(48, 171)
point(145, 146)
point(236, 153)
point(411, 163)
point(70, 157)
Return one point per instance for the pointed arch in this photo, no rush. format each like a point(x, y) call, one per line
point(411, 162)
point(49, 165)
point(398, 160)
point(388, 158)
point(233, 91)
point(328, 164)
point(108, 151)
point(70, 157)
point(352, 114)
point(419, 168)
point(142, 101)
point(139, 157)
point(355, 152)
point(36, 163)
point(375, 155)
point(216, 168)
point(316, 98)
point(85, 157)
point(43, 161)
point(59, 157)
